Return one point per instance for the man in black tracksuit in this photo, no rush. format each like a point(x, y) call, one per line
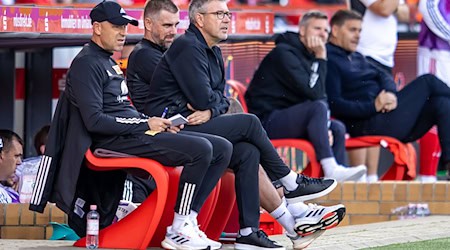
point(189, 80)
point(96, 86)
point(159, 34)
point(287, 93)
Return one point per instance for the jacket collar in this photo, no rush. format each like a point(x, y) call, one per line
point(192, 28)
point(154, 45)
point(99, 49)
point(338, 50)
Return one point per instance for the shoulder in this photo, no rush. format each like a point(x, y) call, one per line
point(4, 196)
point(187, 45)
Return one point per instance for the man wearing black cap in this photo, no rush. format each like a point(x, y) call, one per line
point(97, 91)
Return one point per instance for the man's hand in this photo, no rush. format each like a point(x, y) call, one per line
point(317, 46)
point(199, 116)
point(391, 102)
point(174, 129)
point(159, 124)
point(385, 102)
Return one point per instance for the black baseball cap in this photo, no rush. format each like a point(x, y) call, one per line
point(112, 12)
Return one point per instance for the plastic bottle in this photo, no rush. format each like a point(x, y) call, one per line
point(92, 228)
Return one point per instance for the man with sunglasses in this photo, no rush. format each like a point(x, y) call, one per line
point(189, 80)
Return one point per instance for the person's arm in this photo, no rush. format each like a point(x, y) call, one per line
point(382, 8)
point(141, 67)
point(341, 107)
point(224, 103)
point(86, 83)
point(194, 80)
point(299, 77)
point(436, 18)
point(402, 13)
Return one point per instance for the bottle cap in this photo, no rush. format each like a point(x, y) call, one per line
point(93, 207)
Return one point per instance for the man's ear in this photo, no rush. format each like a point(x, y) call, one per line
point(200, 19)
point(301, 31)
point(148, 23)
point(97, 28)
point(334, 31)
point(42, 149)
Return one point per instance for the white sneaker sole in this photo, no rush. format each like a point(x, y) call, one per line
point(328, 221)
point(167, 244)
point(307, 240)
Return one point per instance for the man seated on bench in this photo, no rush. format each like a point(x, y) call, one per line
point(287, 93)
point(11, 153)
point(365, 98)
point(196, 90)
point(97, 90)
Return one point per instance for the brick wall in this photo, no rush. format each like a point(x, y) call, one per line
point(367, 203)
point(17, 222)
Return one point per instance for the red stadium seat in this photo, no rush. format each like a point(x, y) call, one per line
point(146, 225)
point(137, 229)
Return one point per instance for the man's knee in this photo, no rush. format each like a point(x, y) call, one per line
point(319, 107)
point(201, 148)
point(223, 147)
point(338, 128)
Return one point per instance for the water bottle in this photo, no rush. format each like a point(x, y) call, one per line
point(92, 227)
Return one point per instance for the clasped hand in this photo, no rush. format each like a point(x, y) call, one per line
point(199, 116)
point(385, 102)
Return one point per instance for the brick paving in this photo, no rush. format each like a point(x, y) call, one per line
point(345, 237)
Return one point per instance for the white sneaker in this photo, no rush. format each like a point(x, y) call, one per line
point(184, 238)
point(212, 243)
point(300, 242)
point(342, 173)
point(319, 218)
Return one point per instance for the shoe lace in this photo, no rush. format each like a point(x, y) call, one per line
point(308, 180)
point(261, 234)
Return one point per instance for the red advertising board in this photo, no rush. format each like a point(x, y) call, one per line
point(77, 21)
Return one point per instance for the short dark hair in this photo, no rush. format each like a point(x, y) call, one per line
point(341, 16)
point(41, 138)
point(153, 7)
point(7, 137)
point(316, 14)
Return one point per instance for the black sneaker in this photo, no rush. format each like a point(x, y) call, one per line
point(256, 240)
point(309, 188)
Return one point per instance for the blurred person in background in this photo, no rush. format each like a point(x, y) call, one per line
point(365, 97)
point(379, 17)
point(11, 152)
point(288, 95)
point(433, 55)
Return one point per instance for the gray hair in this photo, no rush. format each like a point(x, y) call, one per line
point(312, 14)
point(197, 6)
